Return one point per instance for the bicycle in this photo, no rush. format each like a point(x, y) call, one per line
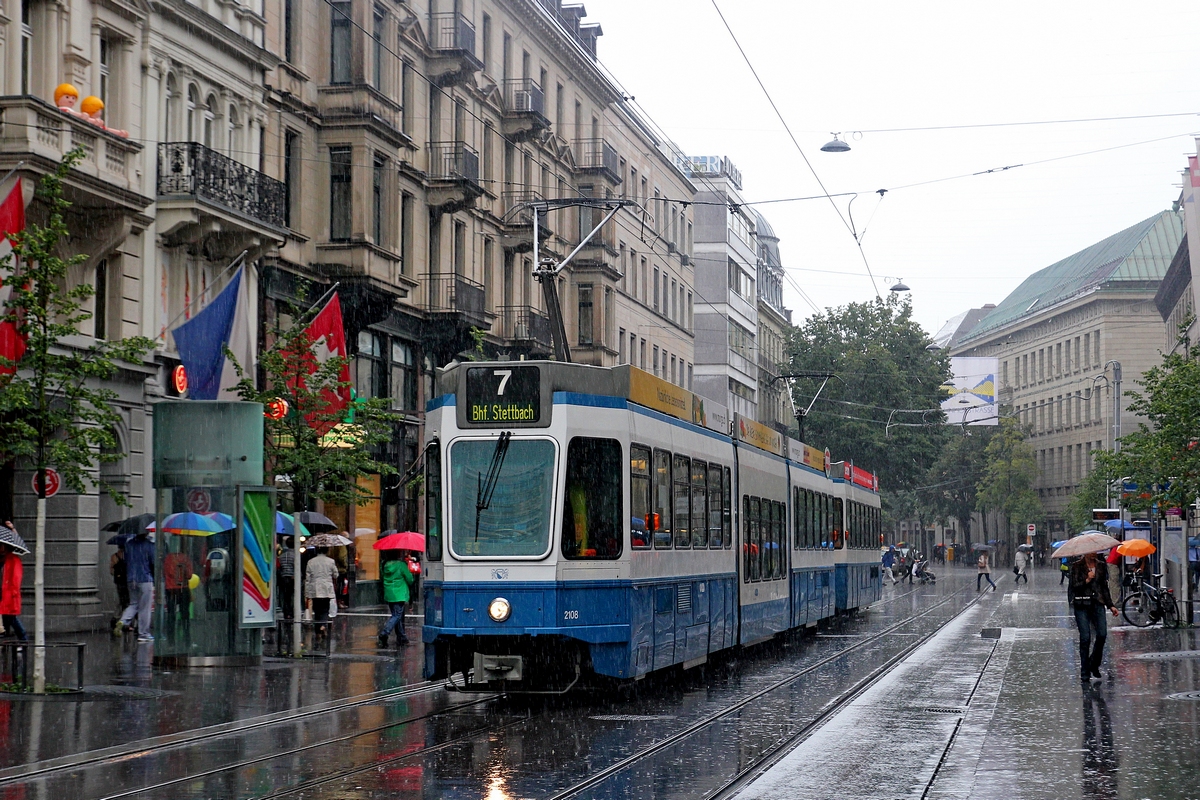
point(1150, 604)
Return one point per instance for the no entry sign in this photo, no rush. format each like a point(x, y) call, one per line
point(53, 482)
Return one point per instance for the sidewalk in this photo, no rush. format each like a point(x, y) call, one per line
point(969, 717)
point(127, 699)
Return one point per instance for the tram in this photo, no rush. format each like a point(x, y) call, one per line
point(600, 520)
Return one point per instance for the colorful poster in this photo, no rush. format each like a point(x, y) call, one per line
point(257, 518)
point(972, 392)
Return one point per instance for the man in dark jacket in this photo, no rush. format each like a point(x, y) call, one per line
point(1087, 592)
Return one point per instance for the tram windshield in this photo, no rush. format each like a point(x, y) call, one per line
point(501, 493)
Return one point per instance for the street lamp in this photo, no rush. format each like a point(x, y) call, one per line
point(835, 146)
point(900, 287)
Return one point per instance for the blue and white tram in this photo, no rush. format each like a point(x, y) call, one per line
point(587, 519)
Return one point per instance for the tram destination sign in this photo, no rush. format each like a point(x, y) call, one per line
point(505, 395)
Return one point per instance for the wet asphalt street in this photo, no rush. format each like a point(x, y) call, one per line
point(959, 716)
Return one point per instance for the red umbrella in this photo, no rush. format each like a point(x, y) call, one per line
point(404, 540)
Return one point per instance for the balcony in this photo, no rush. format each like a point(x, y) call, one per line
point(204, 195)
point(362, 105)
point(527, 329)
point(34, 131)
point(452, 38)
point(458, 297)
point(454, 177)
point(597, 157)
point(518, 221)
point(524, 110)
point(767, 368)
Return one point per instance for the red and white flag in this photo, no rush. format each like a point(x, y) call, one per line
point(328, 337)
point(12, 220)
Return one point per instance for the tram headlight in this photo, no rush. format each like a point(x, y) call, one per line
point(499, 609)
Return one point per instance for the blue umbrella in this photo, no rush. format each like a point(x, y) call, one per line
point(224, 520)
point(1119, 524)
point(1058, 544)
point(285, 527)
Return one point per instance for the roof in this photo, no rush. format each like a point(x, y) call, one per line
point(1137, 257)
point(1175, 282)
point(960, 325)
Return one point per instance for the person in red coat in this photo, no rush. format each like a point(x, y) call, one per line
point(11, 575)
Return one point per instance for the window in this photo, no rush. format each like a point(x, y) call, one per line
point(234, 133)
point(377, 49)
point(592, 510)
point(655, 360)
point(105, 75)
point(340, 198)
point(516, 521)
point(683, 502)
point(752, 541)
point(662, 499)
point(210, 119)
point(639, 497)
point(656, 288)
point(621, 346)
point(378, 200)
point(339, 42)
point(369, 370)
point(406, 98)
point(586, 321)
point(193, 103)
point(26, 46)
point(433, 501)
point(404, 377)
point(100, 301)
point(836, 524)
point(485, 31)
point(406, 233)
point(291, 175)
point(289, 30)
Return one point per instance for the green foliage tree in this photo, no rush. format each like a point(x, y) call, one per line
point(953, 480)
point(1009, 473)
point(319, 446)
point(54, 411)
point(1163, 455)
point(885, 370)
point(1090, 494)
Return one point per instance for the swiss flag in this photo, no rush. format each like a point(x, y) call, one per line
point(12, 220)
point(328, 340)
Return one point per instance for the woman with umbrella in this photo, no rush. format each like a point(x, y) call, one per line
point(398, 578)
point(1088, 595)
point(11, 575)
point(983, 564)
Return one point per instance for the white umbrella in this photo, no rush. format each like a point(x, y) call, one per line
point(1086, 542)
point(364, 532)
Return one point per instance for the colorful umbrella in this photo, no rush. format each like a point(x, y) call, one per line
point(1136, 548)
point(189, 523)
point(224, 520)
point(327, 540)
point(401, 540)
point(1086, 542)
point(285, 527)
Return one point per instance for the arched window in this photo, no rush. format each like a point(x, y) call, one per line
point(169, 101)
point(210, 119)
point(234, 133)
point(193, 102)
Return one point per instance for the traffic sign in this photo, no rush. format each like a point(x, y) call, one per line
point(199, 501)
point(53, 482)
point(1031, 529)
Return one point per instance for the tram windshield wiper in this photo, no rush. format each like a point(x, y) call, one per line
point(487, 483)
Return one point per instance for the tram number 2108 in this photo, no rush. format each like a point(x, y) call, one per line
point(503, 395)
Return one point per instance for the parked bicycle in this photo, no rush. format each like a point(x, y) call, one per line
point(1151, 604)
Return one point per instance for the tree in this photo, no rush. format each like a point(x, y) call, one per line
point(882, 409)
point(321, 446)
point(1092, 493)
point(1009, 473)
point(953, 480)
point(1163, 455)
point(54, 411)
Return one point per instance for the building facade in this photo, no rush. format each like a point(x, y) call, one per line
point(1060, 338)
point(727, 300)
point(774, 326)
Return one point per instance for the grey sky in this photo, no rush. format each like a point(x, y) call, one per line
point(871, 65)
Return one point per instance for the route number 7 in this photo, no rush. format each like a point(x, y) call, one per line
point(504, 374)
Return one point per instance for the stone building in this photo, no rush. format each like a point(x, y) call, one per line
point(727, 301)
point(774, 324)
point(1060, 337)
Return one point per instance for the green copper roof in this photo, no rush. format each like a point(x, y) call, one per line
point(1137, 257)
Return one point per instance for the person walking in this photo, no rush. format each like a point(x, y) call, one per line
point(139, 567)
point(287, 578)
point(985, 570)
point(116, 568)
point(12, 574)
point(1021, 567)
point(1194, 562)
point(397, 591)
point(177, 572)
point(889, 561)
point(1088, 596)
point(320, 582)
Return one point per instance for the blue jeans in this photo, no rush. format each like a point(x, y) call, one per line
point(394, 621)
point(12, 624)
point(979, 580)
point(1093, 630)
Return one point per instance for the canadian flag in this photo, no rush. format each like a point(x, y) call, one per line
point(328, 338)
point(12, 220)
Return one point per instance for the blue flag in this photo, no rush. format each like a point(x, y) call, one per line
point(201, 341)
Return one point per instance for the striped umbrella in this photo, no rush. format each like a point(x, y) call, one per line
point(189, 523)
point(13, 539)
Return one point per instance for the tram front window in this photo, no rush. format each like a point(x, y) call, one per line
point(501, 491)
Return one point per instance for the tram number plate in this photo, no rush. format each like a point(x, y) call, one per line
point(503, 395)
point(570, 615)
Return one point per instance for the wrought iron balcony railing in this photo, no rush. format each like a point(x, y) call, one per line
point(597, 154)
point(452, 32)
point(526, 325)
point(449, 293)
point(453, 161)
point(189, 169)
point(523, 95)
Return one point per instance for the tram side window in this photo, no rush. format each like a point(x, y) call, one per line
point(810, 520)
point(766, 553)
point(683, 502)
point(852, 526)
point(639, 497)
point(591, 526)
point(777, 540)
point(823, 520)
point(839, 537)
point(433, 502)
point(727, 511)
point(699, 504)
point(715, 497)
point(662, 499)
point(796, 517)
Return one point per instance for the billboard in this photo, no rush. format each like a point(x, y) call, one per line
point(257, 568)
point(971, 392)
